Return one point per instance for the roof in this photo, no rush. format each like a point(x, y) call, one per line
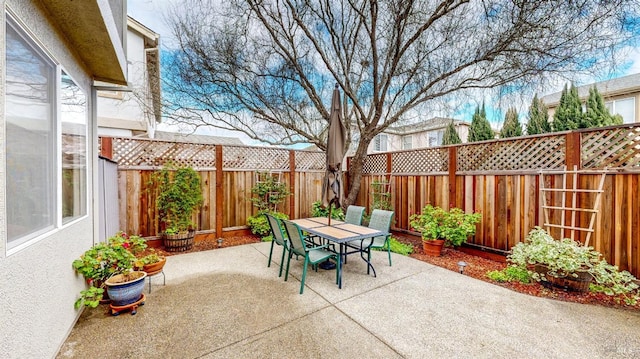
point(434, 123)
point(608, 88)
point(193, 138)
point(95, 36)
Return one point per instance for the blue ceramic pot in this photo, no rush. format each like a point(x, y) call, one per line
point(124, 293)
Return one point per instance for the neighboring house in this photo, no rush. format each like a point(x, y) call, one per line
point(428, 133)
point(203, 139)
point(621, 96)
point(51, 55)
point(136, 111)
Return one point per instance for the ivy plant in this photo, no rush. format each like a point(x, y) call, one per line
point(268, 192)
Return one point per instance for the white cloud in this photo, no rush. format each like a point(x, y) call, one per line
point(151, 13)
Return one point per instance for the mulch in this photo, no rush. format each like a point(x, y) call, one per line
point(477, 267)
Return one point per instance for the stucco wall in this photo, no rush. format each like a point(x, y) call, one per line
point(37, 284)
point(128, 108)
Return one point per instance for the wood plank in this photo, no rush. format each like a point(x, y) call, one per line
point(618, 219)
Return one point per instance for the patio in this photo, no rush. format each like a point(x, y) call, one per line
point(227, 304)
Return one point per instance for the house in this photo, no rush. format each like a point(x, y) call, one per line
point(428, 133)
point(621, 96)
point(195, 138)
point(135, 110)
point(52, 54)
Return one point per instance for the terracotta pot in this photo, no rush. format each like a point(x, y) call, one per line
point(154, 268)
point(433, 247)
point(123, 293)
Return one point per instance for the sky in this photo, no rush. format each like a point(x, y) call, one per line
point(151, 13)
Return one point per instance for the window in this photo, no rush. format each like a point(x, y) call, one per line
point(39, 96)
point(30, 138)
point(73, 115)
point(407, 142)
point(435, 138)
point(624, 107)
point(380, 143)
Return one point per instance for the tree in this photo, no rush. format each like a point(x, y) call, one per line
point(480, 129)
point(597, 114)
point(451, 135)
point(267, 68)
point(538, 117)
point(568, 115)
point(511, 126)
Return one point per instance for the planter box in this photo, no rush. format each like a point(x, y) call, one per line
point(178, 242)
point(580, 283)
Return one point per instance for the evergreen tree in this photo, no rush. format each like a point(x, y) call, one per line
point(480, 129)
point(511, 126)
point(597, 114)
point(451, 135)
point(538, 117)
point(568, 115)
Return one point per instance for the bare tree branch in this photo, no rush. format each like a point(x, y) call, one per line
point(267, 67)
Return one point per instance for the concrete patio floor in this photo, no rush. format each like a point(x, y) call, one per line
point(227, 304)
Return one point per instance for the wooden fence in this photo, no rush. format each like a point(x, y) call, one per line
point(499, 178)
point(227, 174)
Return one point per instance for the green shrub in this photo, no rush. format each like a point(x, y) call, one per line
point(268, 193)
point(178, 195)
point(454, 225)
point(565, 257)
point(398, 247)
point(260, 226)
point(510, 274)
point(318, 211)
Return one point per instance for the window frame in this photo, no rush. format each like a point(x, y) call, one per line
point(378, 142)
point(404, 142)
point(612, 107)
point(58, 223)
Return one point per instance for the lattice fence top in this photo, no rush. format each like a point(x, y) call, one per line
point(131, 152)
point(145, 153)
point(255, 158)
point(310, 161)
point(376, 163)
point(617, 148)
point(420, 161)
point(530, 153)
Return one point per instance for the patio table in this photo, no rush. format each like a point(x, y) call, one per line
point(339, 233)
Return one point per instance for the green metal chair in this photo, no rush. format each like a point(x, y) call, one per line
point(380, 220)
point(278, 238)
point(312, 255)
point(354, 215)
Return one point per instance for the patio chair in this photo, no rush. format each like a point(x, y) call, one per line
point(312, 255)
point(278, 238)
point(354, 215)
point(380, 220)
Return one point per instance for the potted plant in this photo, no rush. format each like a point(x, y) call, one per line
point(439, 227)
point(147, 259)
point(179, 194)
point(562, 263)
point(100, 263)
point(150, 263)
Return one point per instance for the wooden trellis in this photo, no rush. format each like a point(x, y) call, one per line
point(573, 209)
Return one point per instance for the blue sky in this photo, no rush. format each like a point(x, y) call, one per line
point(151, 14)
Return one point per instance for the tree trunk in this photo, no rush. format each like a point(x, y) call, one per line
point(355, 174)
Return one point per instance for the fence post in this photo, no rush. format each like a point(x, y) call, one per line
point(292, 183)
point(219, 191)
point(572, 150)
point(106, 147)
point(453, 165)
